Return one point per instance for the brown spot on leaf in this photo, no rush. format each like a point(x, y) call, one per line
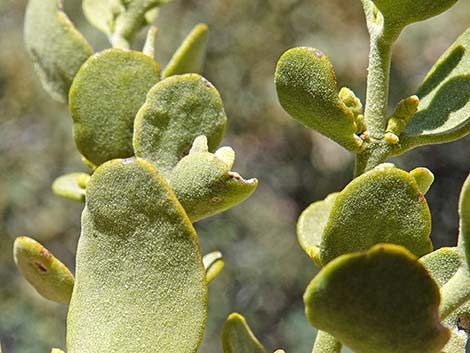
point(421, 197)
point(40, 267)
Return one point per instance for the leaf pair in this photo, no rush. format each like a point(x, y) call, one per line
point(384, 205)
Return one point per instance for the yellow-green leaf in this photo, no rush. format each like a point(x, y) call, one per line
point(399, 13)
point(177, 110)
point(50, 277)
point(382, 300)
point(464, 229)
point(443, 264)
point(121, 20)
point(204, 184)
point(238, 338)
point(71, 186)
point(326, 343)
point(444, 108)
point(55, 46)
point(140, 284)
point(311, 225)
point(213, 264)
point(307, 90)
point(56, 350)
point(189, 57)
point(104, 98)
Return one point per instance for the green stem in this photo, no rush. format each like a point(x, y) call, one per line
point(455, 293)
point(326, 343)
point(374, 154)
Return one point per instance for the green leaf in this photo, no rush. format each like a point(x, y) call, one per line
point(311, 225)
point(177, 110)
point(382, 300)
point(140, 283)
point(213, 264)
point(399, 13)
point(71, 186)
point(121, 19)
point(443, 264)
point(384, 205)
point(104, 99)
point(50, 277)
point(238, 338)
point(204, 184)
point(444, 108)
point(149, 46)
point(464, 212)
point(307, 90)
point(56, 350)
point(189, 57)
point(326, 343)
point(55, 46)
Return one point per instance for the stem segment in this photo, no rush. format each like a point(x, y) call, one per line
point(455, 293)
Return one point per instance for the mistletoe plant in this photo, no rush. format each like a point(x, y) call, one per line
point(149, 138)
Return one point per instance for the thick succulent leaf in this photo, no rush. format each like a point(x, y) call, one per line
point(311, 225)
point(71, 186)
point(444, 109)
point(464, 212)
point(307, 90)
point(121, 19)
point(104, 98)
point(213, 264)
point(238, 338)
point(204, 184)
point(140, 283)
point(443, 264)
point(382, 300)
point(326, 343)
point(55, 46)
point(399, 13)
point(383, 205)
point(50, 277)
point(189, 57)
point(177, 110)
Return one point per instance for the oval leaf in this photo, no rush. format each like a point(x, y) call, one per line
point(238, 338)
point(104, 99)
point(399, 13)
point(204, 184)
point(382, 300)
point(140, 283)
point(189, 57)
point(177, 110)
point(311, 225)
point(71, 186)
point(383, 205)
point(306, 87)
point(55, 46)
point(444, 108)
point(50, 277)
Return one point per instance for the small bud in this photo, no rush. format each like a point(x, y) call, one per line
point(424, 178)
point(391, 138)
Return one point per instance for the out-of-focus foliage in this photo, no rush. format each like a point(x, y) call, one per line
point(265, 269)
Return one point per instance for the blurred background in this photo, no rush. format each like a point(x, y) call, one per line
point(266, 271)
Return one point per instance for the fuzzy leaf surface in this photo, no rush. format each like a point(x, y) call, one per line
point(307, 90)
point(237, 336)
point(104, 99)
point(443, 264)
point(176, 111)
point(50, 277)
point(189, 57)
point(382, 300)
point(140, 283)
point(444, 108)
point(56, 47)
point(204, 184)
